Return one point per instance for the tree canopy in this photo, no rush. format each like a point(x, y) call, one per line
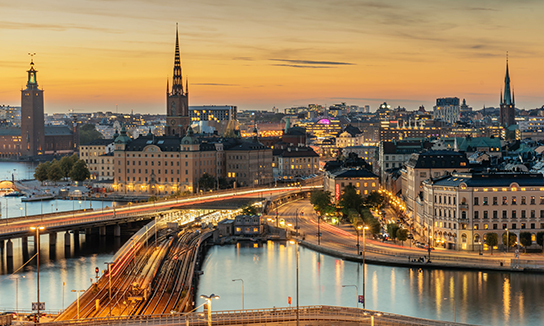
point(491, 239)
point(67, 167)
point(206, 182)
point(88, 133)
point(250, 210)
point(321, 201)
point(79, 171)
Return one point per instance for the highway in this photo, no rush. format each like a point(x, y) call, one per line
point(343, 238)
point(59, 222)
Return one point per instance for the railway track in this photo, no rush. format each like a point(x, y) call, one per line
point(154, 280)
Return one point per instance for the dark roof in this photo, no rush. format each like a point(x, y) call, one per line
point(107, 154)
point(438, 159)
point(354, 173)
point(165, 143)
point(57, 131)
point(293, 151)
point(99, 142)
point(353, 131)
point(405, 147)
point(10, 131)
point(242, 145)
point(497, 179)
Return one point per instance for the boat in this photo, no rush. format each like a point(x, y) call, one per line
point(37, 198)
point(14, 194)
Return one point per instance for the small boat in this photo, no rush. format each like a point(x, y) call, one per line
point(14, 194)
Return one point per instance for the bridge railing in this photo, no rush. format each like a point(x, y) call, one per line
point(307, 314)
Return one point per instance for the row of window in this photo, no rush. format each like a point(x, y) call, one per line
point(523, 214)
point(443, 199)
point(513, 200)
point(158, 179)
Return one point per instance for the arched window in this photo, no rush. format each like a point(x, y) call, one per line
point(464, 238)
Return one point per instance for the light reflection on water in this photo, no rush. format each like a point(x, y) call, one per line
point(485, 298)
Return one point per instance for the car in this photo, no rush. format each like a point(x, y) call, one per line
point(427, 247)
point(419, 244)
point(410, 236)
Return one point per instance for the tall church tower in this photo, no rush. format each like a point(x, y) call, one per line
point(32, 119)
point(177, 100)
point(507, 116)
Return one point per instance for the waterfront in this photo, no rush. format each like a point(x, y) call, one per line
point(484, 298)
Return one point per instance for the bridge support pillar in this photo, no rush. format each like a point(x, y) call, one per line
point(88, 232)
point(67, 240)
point(1, 247)
point(117, 230)
point(76, 239)
point(53, 239)
point(24, 244)
point(102, 230)
point(9, 249)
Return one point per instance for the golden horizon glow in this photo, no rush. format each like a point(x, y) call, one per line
point(93, 55)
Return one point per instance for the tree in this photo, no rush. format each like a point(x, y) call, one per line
point(41, 173)
point(525, 240)
point(512, 237)
point(249, 210)
point(66, 164)
point(375, 200)
point(88, 133)
point(392, 230)
point(321, 201)
point(79, 171)
point(540, 238)
point(350, 200)
point(491, 239)
point(402, 235)
point(369, 220)
point(54, 172)
point(206, 182)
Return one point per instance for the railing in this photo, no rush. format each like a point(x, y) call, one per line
point(307, 314)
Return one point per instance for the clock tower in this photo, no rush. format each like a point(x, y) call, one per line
point(32, 116)
point(177, 100)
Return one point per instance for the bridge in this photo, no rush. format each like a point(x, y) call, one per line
point(307, 315)
point(98, 221)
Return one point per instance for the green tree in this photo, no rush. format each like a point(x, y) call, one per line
point(321, 201)
point(206, 182)
point(491, 239)
point(350, 200)
point(402, 235)
point(66, 164)
point(369, 220)
point(392, 230)
point(512, 237)
point(249, 210)
point(540, 238)
point(525, 240)
point(54, 172)
point(375, 200)
point(88, 133)
point(41, 173)
point(79, 171)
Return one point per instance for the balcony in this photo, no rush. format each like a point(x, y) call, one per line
point(463, 206)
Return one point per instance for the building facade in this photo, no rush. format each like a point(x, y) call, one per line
point(98, 156)
point(461, 209)
point(447, 109)
point(363, 180)
point(248, 163)
point(294, 162)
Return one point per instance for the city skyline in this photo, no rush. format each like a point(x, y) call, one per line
point(92, 57)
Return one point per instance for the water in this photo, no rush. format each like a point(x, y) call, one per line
point(17, 170)
point(74, 268)
point(485, 298)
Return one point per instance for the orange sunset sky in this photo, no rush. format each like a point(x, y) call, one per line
point(257, 54)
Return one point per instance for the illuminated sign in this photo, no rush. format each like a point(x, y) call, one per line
point(337, 192)
point(324, 121)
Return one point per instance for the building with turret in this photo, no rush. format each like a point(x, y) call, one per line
point(508, 104)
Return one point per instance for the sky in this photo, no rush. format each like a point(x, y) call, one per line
point(99, 55)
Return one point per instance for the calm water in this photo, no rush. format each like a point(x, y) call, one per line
point(269, 275)
point(75, 268)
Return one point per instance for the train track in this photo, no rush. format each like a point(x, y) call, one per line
point(153, 280)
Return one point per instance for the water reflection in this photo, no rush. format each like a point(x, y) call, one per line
point(269, 275)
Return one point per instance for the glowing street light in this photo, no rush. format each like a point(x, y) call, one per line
point(209, 303)
point(37, 238)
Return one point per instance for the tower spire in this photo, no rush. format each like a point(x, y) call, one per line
point(177, 82)
point(507, 90)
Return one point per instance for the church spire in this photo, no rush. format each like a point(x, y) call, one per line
point(507, 90)
point(177, 82)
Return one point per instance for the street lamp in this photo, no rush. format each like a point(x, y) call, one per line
point(356, 292)
point(109, 281)
point(364, 267)
point(37, 239)
point(78, 292)
point(16, 278)
point(359, 227)
point(209, 303)
point(293, 242)
point(243, 296)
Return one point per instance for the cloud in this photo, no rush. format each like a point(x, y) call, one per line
point(311, 62)
point(54, 27)
point(214, 84)
point(300, 66)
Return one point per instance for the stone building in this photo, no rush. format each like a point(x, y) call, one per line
point(363, 180)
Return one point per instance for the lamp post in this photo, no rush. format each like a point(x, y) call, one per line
point(16, 278)
point(364, 267)
point(356, 292)
point(37, 238)
point(63, 286)
point(243, 296)
point(78, 292)
point(209, 303)
point(293, 242)
point(109, 282)
point(359, 227)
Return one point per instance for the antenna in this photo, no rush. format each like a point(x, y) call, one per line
point(32, 57)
